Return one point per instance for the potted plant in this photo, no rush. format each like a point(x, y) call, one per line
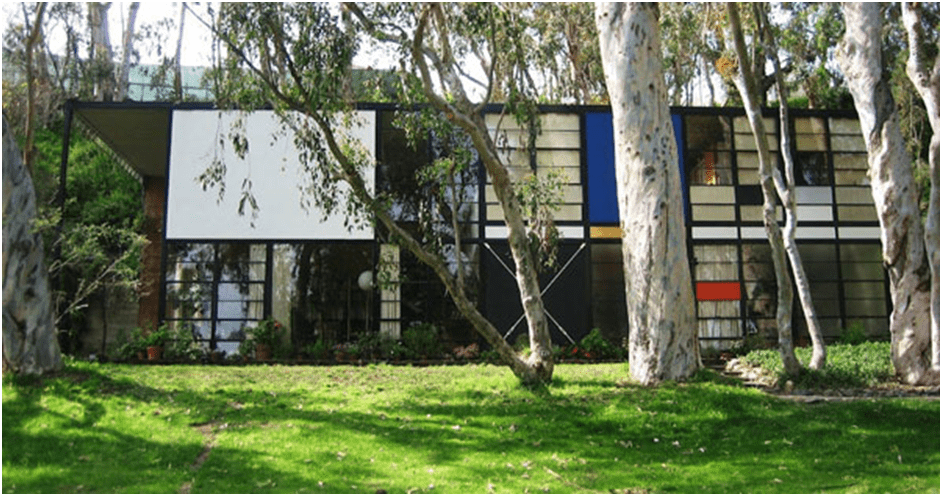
point(155, 342)
point(267, 336)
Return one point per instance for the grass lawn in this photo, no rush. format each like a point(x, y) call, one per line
point(466, 429)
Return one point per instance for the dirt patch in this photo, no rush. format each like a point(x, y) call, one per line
point(208, 430)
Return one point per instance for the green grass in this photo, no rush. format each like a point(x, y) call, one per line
point(467, 429)
point(848, 366)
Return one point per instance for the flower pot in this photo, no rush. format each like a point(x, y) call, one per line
point(154, 353)
point(262, 352)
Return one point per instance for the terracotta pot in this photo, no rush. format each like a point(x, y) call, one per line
point(154, 353)
point(262, 352)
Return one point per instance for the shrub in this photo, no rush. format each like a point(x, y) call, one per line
point(318, 350)
point(128, 345)
point(469, 352)
point(379, 346)
point(862, 365)
point(853, 334)
point(180, 344)
point(596, 346)
point(421, 341)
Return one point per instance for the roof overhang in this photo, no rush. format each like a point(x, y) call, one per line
point(139, 133)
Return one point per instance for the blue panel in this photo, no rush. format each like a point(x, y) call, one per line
point(600, 157)
point(600, 153)
point(679, 137)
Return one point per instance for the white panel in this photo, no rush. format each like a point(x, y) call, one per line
point(714, 233)
point(571, 232)
point(496, 232)
point(272, 166)
point(820, 195)
point(859, 232)
point(752, 233)
point(805, 232)
point(566, 232)
point(815, 213)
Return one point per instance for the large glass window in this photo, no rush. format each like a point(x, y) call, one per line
point(317, 290)
point(708, 160)
point(429, 201)
point(216, 290)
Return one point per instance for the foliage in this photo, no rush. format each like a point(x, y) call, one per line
point(157, 337)
point(268, 332)
point(381, 347)
point(181, 344)
point(861, 365)
point(598, 347)
point(128, 344)
point(466, 429)
point(100, 238)
point(540, 196)
point(421, 340)
point(853, 334)
point(318, 350)
point(469, 352)
point(344, 351)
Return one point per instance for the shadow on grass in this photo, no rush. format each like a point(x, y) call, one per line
point(582, 434)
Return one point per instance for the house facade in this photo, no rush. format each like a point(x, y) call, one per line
point(219, 272)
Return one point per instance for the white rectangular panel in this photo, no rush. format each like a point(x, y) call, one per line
point(496, 232)
point(862, 232)
point(571, 232)
point(815, 213)
point(714, 232)
point(752, 233)
point(272, 167)
point(806, 232)
point(820, 195)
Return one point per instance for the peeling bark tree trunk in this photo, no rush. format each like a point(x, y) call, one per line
point(802, 284)
point(126, 49)
point(926, 82)
point(30, 345)
point(663, 342)
point(894, 193)
point(101, 59)
point(177, 58)
point(768, 176)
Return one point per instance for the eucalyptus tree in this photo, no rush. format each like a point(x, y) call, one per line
point(894, 193)
point(296, 58)
point(29, 333)
point(663, 343)
point(770, 179)
point(925, 77)
point(774, 184)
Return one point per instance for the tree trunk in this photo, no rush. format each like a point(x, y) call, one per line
point(663, 343)
point(926, 81)
point(894, 193)
point(126, 49)
point(34, 35)
point(30, 345)
point(101, 57)
point(463, 113)
point(802, 284)
point(746, 83)
point(178, 57)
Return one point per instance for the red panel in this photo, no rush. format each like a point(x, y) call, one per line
point(713, 291)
